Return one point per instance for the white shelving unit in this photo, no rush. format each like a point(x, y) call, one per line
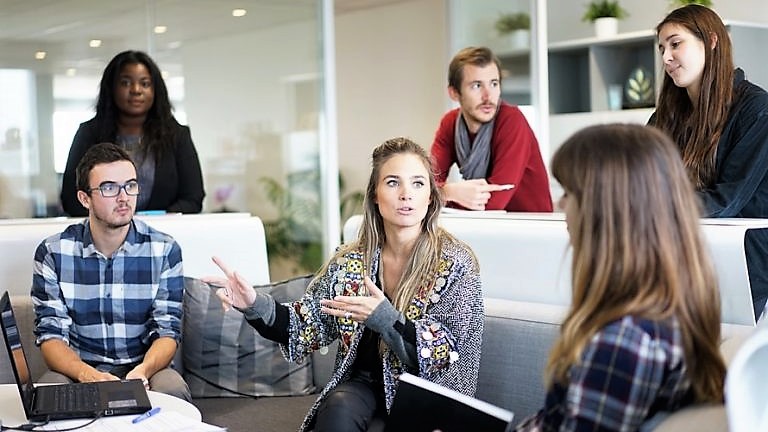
point(516, 86)
point(580, 71)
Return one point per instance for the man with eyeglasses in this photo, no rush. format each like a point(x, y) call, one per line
point(107, 291)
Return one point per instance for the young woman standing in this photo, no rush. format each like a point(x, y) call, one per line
point(133, 111)
point(719, 121)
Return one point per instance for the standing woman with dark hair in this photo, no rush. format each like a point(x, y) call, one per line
point(719, 121)
point(133, 110)
point(641, 337)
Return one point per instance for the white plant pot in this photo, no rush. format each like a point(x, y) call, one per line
point(519, 39)
point(606, 27)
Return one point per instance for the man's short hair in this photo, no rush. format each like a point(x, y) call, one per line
point(101, 153)
point(476, 56)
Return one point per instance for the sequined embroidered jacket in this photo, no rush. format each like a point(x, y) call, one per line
point(447, 313)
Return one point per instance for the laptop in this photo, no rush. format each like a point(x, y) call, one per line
point(423, 406)
point(67, 401)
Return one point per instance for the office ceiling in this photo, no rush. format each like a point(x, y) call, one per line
point(63, 28)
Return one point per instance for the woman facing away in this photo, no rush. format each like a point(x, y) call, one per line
point(404, 297)
point(719, 121)
point(133, 111)
point(642, 333)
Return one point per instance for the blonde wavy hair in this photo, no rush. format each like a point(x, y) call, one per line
point(637, 248)
point(426, 252)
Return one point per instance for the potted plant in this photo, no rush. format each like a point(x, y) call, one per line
point(681, 3)
point(605, 15)
point(515, 27)
point(294, 238)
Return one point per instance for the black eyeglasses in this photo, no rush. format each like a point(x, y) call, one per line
point(112, 189)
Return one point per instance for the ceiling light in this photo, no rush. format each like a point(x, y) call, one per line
point(174, 44)
point(40, 55)
point(161, 29)
point(238, 12)
point(94, 43)
point(71, 72)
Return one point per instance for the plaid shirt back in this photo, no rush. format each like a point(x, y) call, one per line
point(630, 370)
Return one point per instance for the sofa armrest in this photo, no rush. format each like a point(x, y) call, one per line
point(702, 418)
point(25, 318)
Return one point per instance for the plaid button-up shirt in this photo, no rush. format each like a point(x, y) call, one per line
point(630, 370)
point(108, 309)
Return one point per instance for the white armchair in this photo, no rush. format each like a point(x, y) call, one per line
point(746, 392)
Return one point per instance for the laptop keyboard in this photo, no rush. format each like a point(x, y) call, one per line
point(73, 398)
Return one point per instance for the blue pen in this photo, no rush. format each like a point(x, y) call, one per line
point(146, 415)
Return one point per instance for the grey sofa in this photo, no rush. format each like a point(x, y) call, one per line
point(516, 341)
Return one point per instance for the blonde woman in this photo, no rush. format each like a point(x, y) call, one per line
point(405, 296)
point(641, 336)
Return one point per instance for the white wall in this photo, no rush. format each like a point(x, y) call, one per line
point(239, 106)
point(391, 65)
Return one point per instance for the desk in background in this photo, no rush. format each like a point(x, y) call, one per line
point(526, 257)
point(238, 238)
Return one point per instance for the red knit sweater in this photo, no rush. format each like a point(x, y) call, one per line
point(515, 159)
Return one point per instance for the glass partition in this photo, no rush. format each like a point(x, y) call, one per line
point(516, 32)
point(248, 82)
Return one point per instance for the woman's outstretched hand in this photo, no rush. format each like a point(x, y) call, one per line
point(357, 308)
point(234, 290)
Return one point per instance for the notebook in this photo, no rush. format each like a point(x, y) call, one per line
point(422, 405)
point(67, 401)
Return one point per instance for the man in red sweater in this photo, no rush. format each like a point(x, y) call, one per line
point(490, 141)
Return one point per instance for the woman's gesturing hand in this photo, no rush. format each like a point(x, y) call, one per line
point(357, 308)
point(234, 290)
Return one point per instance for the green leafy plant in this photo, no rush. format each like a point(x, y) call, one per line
point(509, 22)
point(604, 9)
point(680, 3)
point(297, 232)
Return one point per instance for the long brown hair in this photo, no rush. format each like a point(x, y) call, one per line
point(697, 129)
point(637, 248)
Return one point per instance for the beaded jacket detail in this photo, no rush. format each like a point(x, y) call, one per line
point(447, 313)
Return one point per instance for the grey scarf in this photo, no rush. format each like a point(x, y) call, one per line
point(473, 157)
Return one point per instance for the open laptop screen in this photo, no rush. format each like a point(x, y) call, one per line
point(16, 353)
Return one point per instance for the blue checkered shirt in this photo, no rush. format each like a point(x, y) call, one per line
point(630, 370)
point(109, 310)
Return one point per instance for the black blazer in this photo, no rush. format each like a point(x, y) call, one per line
point(178, 186)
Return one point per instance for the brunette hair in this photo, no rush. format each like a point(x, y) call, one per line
point(159, 127)
point(637, 248)
point(102, 153)
point(476, 56)
point(697, 128)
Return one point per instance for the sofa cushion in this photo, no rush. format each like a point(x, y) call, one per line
point(700, 418)
point(517, 338)
point(224, 356)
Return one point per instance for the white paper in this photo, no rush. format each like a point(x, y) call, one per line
point(164, 421)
